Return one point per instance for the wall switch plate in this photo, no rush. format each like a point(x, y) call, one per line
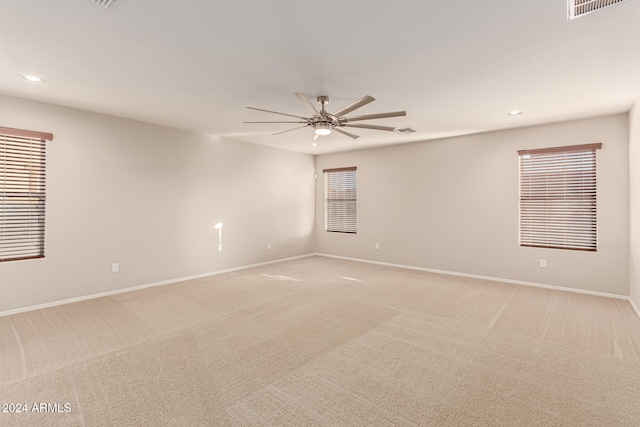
point(293, 242)
point(543, 263)
point(377, 246)
point(269, 246)
point(115, 267)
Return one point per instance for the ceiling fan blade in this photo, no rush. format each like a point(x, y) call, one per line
point(289, 130)
point(375, 127)
point(373, 116)
point(354, 105)
point(308, 104)
point(275, 112)
point(276, 122)
point(344, 132)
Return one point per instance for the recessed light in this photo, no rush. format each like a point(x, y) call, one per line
point(32, 79)
point(315, 144)
point(515, 113)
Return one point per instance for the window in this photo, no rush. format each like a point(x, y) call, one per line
point(340, 206)
point(558, 197)
point(22, 193)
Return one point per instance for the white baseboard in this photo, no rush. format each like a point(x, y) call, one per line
point(244, 267)
point(475, 276)
point(149, 285)
point(635, 307)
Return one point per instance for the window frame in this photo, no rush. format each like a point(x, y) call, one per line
point(341, 209)
point(558, 197)
point(22, 193)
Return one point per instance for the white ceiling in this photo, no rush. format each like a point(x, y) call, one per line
point(456, 66)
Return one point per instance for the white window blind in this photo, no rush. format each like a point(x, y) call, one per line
point(341, 199)
point(558, 197)
point(22, 193)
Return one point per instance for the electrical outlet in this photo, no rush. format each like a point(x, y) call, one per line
point(115, 267)
point(543, 263)
point(377, 246)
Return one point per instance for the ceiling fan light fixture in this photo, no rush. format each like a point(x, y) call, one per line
point(323, 129)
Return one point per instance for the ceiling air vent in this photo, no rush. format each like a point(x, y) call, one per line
point(578, 8)
point(104, 3)
point(404, 130)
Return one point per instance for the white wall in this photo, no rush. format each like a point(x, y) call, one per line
point(452, 205)
point(148, 197)
point(634, 204)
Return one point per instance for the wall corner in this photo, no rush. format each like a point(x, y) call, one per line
point(634, 205)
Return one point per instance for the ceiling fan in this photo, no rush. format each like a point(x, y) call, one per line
point(324, 122)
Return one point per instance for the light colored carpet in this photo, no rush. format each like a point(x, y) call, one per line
point(325, 342)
